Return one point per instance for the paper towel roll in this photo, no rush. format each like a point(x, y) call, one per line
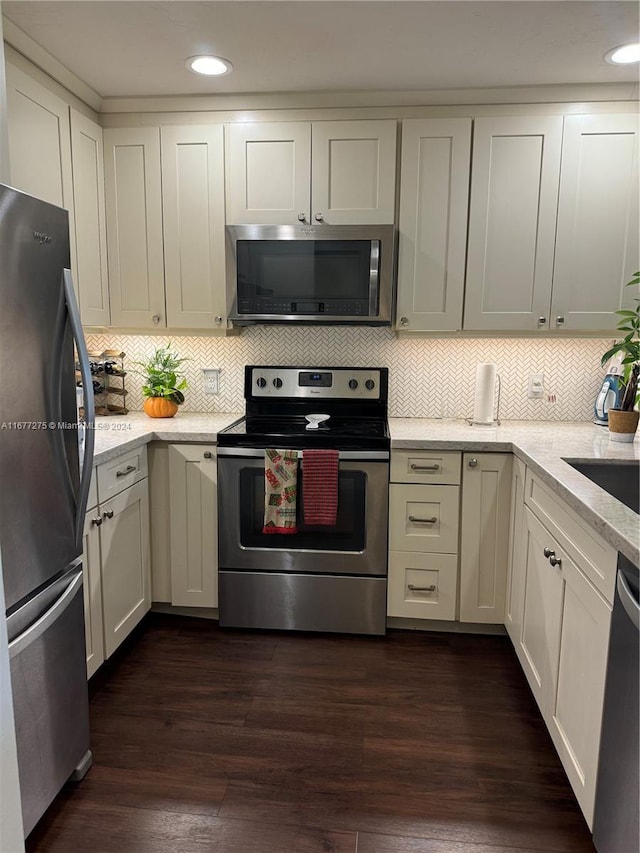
point(485, 389)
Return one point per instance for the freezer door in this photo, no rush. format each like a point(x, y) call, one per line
point(49, 681)
point(39, 469)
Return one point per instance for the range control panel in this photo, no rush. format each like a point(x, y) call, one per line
point(310, 383)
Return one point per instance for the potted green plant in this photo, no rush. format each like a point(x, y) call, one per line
point(163, 383)
point(623, 421)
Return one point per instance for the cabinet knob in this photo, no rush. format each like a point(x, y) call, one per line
point(548, 552)
point(218, 320)
point(319, 217)
point(302, 217)
point(156, 319)
point(208, 454)
point(96, 522)
point(404, 321)
point(559, 321)
point(542, 321)
point(473, 463)
point(555, 561)
point(108, 514)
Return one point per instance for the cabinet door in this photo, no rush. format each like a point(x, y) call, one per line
point(353, 172)
point(91, 236)
point(39, 145)
point(597, 237)
point(434, 194)
point(486, 491)
point(512, 222)
point(92, 591)
point(575, 712)
point(268, 173)
point(542, 611)
point(193, 212)
point(134, 226)
point(126, 581)
point(423, 518)
point(194, 526)
point(516, 561)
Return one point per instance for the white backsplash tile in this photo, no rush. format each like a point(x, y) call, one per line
point(428, 377)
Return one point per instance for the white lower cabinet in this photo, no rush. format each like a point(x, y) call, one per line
point(116, 567)
point(193, 512)
point(422, 586)
point(515, 565)
point(484, 539)
point(562, 643)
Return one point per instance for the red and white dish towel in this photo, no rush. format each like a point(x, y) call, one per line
point(280, 491)
point(320, 486)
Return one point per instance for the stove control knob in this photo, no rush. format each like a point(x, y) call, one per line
point(277, 382)
point(261, 382)
point(353, 384)
point(369, 384)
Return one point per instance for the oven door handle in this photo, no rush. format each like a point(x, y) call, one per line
point(343, 455)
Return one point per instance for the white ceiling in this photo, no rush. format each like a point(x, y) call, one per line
point(124, 48)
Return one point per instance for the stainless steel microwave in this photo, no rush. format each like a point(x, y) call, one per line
point(305, 274)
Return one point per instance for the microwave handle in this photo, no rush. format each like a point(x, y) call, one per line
point(374, 277)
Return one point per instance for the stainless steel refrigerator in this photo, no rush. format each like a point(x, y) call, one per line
point(43, 493)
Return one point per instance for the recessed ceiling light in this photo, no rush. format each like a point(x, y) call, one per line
point(624, 54)
point(212, 66)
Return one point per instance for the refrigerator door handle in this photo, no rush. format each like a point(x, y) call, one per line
point(47, 619)
point(89, 407)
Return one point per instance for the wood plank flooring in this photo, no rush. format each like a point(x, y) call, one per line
point(243, 742)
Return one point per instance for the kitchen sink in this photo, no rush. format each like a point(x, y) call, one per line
point(618, 478)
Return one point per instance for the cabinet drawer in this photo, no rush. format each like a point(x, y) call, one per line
point(595, 557)
point(423, 518)
point(422, 586)
point(121, 473)
point(425, 466)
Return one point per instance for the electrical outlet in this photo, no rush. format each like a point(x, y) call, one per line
point(211, 380)
point(536, 386)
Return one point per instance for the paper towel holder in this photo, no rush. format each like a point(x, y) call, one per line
point(496, 421)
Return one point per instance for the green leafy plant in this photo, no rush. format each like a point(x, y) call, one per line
point(629, 347)
point(162, 376)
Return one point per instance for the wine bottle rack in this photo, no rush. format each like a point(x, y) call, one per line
point(108, 374)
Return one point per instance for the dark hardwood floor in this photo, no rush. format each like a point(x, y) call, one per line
point(242, 742)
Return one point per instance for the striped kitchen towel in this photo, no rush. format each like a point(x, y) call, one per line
point(280, 491)
point(320, 486)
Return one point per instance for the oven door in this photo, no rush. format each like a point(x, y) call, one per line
point(356, 545)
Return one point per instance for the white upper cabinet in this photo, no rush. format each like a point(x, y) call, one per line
point(285, 173)
point(512, 222)
point(353, 172)
point(39, 145)
point(91, 241)
point(597, 237)
point(434, 193)
point(134, 226)
point(193, 214)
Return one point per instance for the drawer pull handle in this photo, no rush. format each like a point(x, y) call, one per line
point(128, 470)
point(548, 553)
point(415, 467)
point(96, 522)
point(555, 561)
point(414, 588)
point(423, 520)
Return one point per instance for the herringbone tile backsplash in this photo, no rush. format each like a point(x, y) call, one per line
point(429, 378)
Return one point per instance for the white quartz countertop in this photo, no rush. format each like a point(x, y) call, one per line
point(542, 445)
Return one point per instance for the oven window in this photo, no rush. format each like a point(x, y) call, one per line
point(303, 270)
point(347, 535)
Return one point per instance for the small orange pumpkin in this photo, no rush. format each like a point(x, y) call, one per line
point(160, 407)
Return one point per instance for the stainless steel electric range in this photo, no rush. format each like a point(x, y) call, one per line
point(323, 577)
